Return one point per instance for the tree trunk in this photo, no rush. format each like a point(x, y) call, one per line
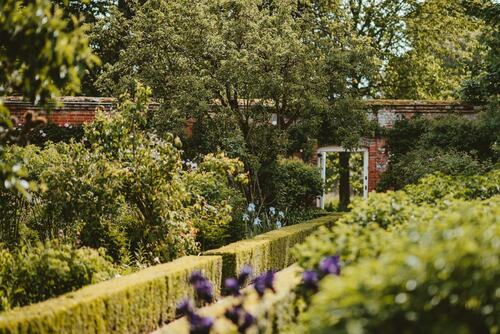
point(344, 184)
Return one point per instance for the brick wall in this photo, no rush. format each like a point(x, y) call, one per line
point(78, 110)
point(74, 110)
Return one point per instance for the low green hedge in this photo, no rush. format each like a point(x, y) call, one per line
point(136, 303)
point(437, 275)
point(275, 313)
point(268, 251)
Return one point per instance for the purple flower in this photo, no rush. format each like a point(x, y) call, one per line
point(184, 307)
point(263, 282)
point(204, 290)
point(310, 280)
point(195, 277)
point(248, 321)
point(244, 275)
point(240, 317)
point(330, 265)
point(232, 287)
point(233, 314)
point(199, 324)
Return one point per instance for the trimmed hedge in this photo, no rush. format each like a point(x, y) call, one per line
point(438, 274)
point(275, 313)
point(268, 251)
point(136, 303)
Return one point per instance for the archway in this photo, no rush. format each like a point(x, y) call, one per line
point(322, 159)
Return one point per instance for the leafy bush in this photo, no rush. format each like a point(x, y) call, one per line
point(437, 187)
point(452, 145)
point(126, 190)
point(33, 274)
point(292, 184)
point(214, 182)
point(423, 161)
point(366, 228)
point(55, 133)
point(440, 275)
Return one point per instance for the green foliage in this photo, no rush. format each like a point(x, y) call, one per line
point(482, 85)
point(255, 80)
point(292, 184)
point(61, 52)
point(421, 162)
point(435, 188)
point(439, 275)
point(36, 273)
point(372, 223)
point(55, 133)
point(125, 189)
point(451, 145)
point(215, 182)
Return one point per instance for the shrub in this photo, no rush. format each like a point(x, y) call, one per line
point(440, 275)
point(126, 190)
point(438, 187)
point(424, 161)
point(36, 273)
point(215, 182)
point(292, 184)
point(452, 145)
point(55, 133)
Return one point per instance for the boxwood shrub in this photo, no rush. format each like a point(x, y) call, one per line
point(439, 275)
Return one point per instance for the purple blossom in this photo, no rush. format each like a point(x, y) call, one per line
point(240, 317)
point(199, 324)
point(204, 290)
point(196, 276)
point(330, 265)
point(263, 282)
point(233, 314)
point(244, 275)
point(184, 307)
point(248, 321)
point(231, 287)
point(310, 280)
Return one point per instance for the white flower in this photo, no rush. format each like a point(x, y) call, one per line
point(281, 214)
point(257, 221)
point(272, 211)
point(246, 217)
point(66, 125)
point(251, 207)
point(278, 224)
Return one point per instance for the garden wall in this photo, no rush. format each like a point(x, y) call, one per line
point(143, 301)
point(78, 110)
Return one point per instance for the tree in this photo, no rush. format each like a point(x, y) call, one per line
point(260, 69)
point(40, 58)
point(483, 84)
point(420, 49)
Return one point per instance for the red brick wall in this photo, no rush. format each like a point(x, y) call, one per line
point(74, 110)
point(377, 161)
point(77, 110)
